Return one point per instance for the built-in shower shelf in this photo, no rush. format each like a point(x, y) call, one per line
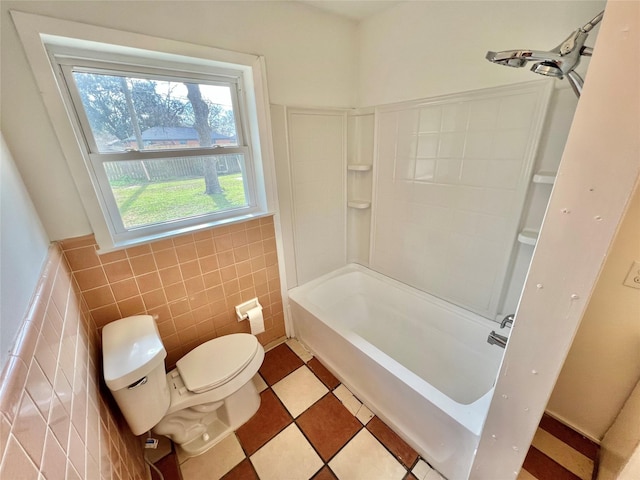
point(359, 204)
point(358, 168)
point(528, 237)
point(545, 177)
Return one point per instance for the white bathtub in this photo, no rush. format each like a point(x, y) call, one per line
point(420, 363)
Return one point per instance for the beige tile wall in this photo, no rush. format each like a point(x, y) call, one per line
point(191, 283)
point(54, 421)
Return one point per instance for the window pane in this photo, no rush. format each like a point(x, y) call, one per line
point(131, 113)
point(149, 192)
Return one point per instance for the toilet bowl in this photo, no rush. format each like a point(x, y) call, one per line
point(209, 394)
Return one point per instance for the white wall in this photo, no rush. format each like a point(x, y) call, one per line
point(24, 250)
point(421, 49)
point(310, 57)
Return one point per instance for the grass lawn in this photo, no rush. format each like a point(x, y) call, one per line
point(157, 202)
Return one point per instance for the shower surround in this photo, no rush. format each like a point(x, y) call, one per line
point(446, 183)
point(451, 177)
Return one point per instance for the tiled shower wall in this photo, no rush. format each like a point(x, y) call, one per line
point(451, 180)
point(54, 421)
point(190, 283)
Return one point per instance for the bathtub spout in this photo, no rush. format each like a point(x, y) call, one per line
point(497, 339)
point(507, 321)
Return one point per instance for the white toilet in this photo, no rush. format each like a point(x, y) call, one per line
point(209, 394)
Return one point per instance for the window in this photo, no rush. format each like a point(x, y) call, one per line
point(167, 147)
point(114, 168)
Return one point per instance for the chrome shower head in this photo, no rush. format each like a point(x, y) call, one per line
point(550, 63)
point(556, 63)
point(548, 69)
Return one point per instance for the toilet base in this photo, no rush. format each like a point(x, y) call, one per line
point(214, 433)
point(209, 428)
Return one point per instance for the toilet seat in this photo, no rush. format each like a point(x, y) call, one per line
point(217, 361)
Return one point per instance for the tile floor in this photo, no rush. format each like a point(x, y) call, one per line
point(309, 426)
point(559, 453)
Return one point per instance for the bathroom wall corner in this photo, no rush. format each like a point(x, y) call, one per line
point(54, 416)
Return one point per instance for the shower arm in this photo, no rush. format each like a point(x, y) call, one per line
point(593, 22)
point(578, 38)
point(573, 77)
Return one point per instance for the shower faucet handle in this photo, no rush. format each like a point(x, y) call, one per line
point(507, 321)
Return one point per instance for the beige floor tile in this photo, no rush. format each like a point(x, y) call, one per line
point(214, 463)
point(299, 350)
point(364, 414)
point(259, 383)
point(421, 470)
point(433, 475)
point(299, 390)
point(562, 453)
point(348, 399)
point(364, 458)
point(524, 475)
point(287, 456)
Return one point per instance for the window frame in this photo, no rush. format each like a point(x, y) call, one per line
point(37, 33)
point(66, 60)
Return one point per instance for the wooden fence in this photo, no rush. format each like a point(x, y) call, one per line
point(136, 171)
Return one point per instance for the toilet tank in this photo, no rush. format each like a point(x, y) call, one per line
point(133, 366)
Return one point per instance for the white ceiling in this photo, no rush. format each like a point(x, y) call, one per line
point(353, 9)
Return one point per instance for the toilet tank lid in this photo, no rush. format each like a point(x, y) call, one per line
point(217, 361)
point(131, 349)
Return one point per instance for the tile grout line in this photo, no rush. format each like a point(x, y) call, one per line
point(293, 420)
point(326, 462)
point(540, 458)
point(362, 425)
point(279, 431)
point(331, 390)
point(569, 436)
point(410, 468)
point(564, 454)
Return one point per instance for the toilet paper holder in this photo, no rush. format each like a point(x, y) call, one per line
point(243, 309)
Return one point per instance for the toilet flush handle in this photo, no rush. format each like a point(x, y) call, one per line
point(142, 381)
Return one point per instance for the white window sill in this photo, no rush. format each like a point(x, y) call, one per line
point(120, 245)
